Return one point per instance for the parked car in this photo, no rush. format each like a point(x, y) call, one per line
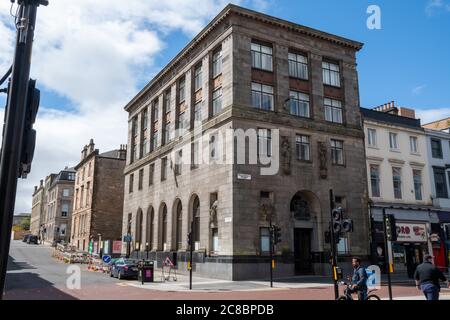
point(25, 237)
point(125, 268)
point(33, 240)
point(110, 265)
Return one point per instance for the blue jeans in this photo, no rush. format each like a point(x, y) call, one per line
point(362, 293)
point(430, 290)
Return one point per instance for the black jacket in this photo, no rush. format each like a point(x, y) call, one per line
point(427, 272)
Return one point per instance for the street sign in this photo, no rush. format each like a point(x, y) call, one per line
point(106, 259)
point(127, 238)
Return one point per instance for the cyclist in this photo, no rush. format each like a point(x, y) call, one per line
point(359, 279)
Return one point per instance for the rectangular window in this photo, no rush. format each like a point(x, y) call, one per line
point(195, 155)
point(163, 169)
point(183, 123)
point(82, 203)
point(397, 180)
point(393, 142)
point(71, 176)
point(141, 178)
point(64, 210)
point(372, 137)
point(217, 101)
point(298, 66)
point(178, 162)
point(88, 193)
point(303, 147)
point(155, 140)
point(299, 103)
point(417, 177)
point(342, 247)
point(265, 240)
point(331, 75)
point(261, 57)
point(198, 113)
point(375, 180)
point(151, 174)
point(198, 78)
point(436, 148)
point(168, 133)
point(217, 63)
point(440, 183)
point(262, 96)
point(264, 142)
point(413, 144)
point(66, 192)
point(333, 110)
point(337, 152)
point(130, 187)
point(167, 97)
point(182, 90)
point(145, 120)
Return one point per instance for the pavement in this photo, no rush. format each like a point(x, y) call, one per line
point(34, 274)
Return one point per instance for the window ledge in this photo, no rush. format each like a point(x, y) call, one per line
point(395, 150)
point(260, 69)
point(304, 161)
point(415, 154)
point(373, 147)
point(330, 85)
point(297, 78)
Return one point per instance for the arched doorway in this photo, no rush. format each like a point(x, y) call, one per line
point(194, 218)
point(138, 232)
point(177, 225)
point(163, 227)
point(149, 229)
point(305, 210)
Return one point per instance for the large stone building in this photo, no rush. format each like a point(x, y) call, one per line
point(59, 207)
point(292, 92)
point(98, 202)
point(37, 208)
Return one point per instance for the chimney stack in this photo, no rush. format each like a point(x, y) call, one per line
point(35, 189)
point(91, 145)
point(41, 183)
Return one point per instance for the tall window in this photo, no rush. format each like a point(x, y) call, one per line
point(168, 133)
point(179, 229)
point(178, 162)
point(151, 174)
point(149, 235)
point(303, 147)
point(264, 236)
point(130, 187)
point(413, 144)
point(217, 101)
point(196, 215)
point(375, 180)
point(198, 77)
point(167, 97)
point(141, 178)
point(372, 137)
point(331, 74)
point(397, 180)
point(217, 63)
point(262, 96)
point(144, 145)
point(198, 113)
point(264, 142)
point(163, 169)
point(88, 193)
point(333, 110)
point(440, 183)
point(164, 228)
point(417, 177)
point(82, 203)
point(261, 57)
point(337, 152)
point(155, 125)
point(298, 66)
point(183, 122)
point(436, 148)
point(66, 192)
point(299, 104)
point(64, 210)
point(195, 155)
point(134, 132)
point(393, 141)
point(182, 89)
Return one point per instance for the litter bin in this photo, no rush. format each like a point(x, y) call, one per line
point(146, 271)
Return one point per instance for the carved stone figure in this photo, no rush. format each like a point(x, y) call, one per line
point(213, 214)
point(286, 155)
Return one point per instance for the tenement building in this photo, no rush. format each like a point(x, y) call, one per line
point(37, 208)
point(252, 124)
point(59, 207)
point(98, 200)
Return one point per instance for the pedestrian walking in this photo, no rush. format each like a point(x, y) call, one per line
point(427, 278)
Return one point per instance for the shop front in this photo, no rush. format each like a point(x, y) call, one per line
point(441, 243)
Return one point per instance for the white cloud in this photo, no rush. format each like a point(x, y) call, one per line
point(419, 89)
point(432, 114)
point(434, 6)
point(96, 54)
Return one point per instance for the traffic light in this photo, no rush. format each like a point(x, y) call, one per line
point(391, 228)
point(337, 215)
point(347, 225)
point(29, 134)
point(277, 234)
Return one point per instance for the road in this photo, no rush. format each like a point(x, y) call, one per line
point(33, 274)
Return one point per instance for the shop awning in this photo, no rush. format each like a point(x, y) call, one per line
point(406, 214)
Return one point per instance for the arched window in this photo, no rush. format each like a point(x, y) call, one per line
point(138, 236)
point(163, 227)
point(196, 215)
point(150, 223)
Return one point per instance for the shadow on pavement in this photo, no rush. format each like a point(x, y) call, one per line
point(14, 266)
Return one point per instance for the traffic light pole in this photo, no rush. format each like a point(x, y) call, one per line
point(386, 254)
point(14, 127)
point(333, 247)
point(271, 240)
point(191, 251)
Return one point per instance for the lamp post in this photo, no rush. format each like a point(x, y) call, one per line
point(100, 246)
point(147, 248)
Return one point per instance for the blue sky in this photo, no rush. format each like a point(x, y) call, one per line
point(90, 60)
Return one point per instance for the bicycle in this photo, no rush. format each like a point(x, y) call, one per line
point(348, 296)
